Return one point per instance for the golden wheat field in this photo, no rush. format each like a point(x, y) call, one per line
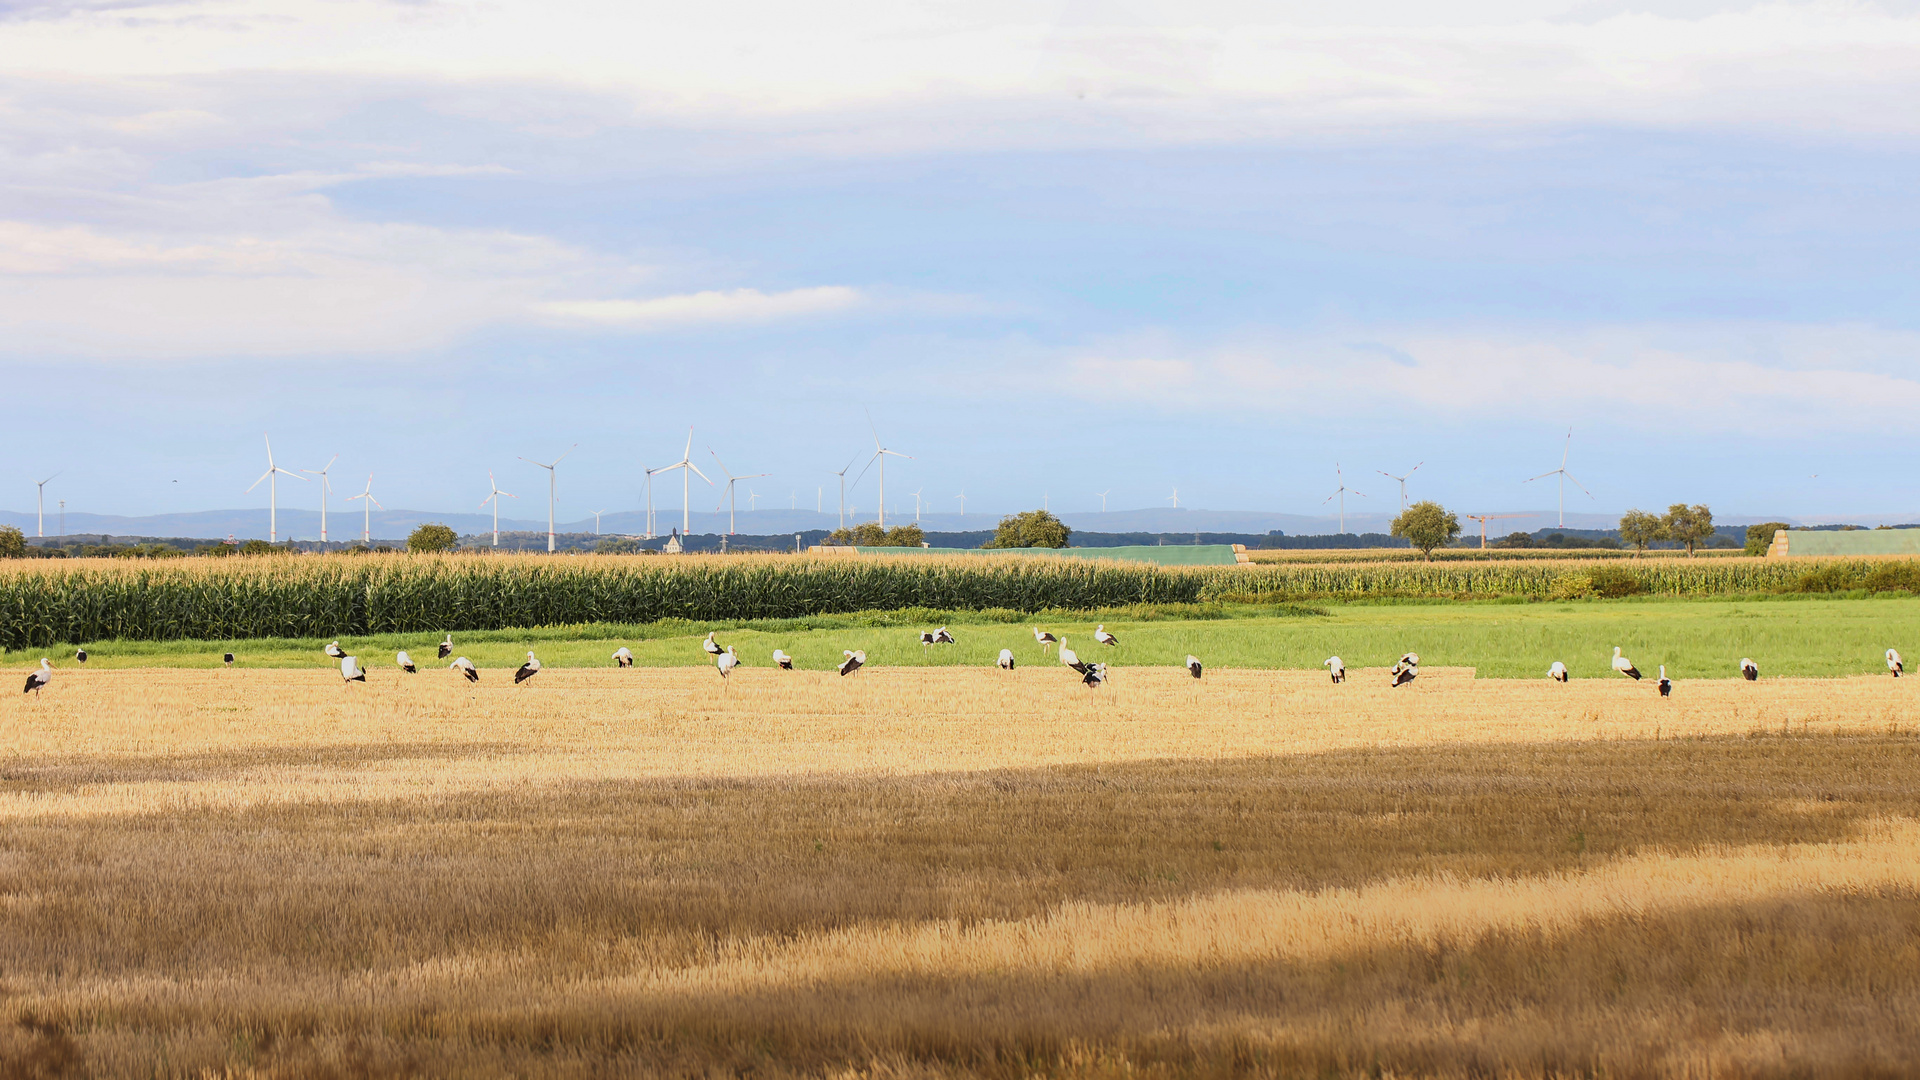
point(943, 872)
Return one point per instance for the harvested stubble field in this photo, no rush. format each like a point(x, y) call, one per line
point(951, 871)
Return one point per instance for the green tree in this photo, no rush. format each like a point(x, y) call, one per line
point(906, 536)
point(258, 547)
point(13, 543)
point(1760, 537)
point(1427, 525)
point(1639, 528)
point(1035, 528)
point(432, 538)
point(1688, 524)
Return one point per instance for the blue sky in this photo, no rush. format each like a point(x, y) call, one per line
point(1055, 249)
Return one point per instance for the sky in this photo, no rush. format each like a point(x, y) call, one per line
point(1046, 249)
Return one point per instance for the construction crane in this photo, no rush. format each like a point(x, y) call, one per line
point(1484, 518)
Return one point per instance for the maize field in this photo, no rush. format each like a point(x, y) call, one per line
point(50, 602)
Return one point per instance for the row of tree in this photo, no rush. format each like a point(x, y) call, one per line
point(1428, 525)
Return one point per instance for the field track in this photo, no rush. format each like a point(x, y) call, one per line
point(957, 871)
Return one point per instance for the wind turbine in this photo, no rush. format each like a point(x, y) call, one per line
point(366, 509)
point(963, 503)
point(649, 473)
point(1403, 483)
point(272, 477)
point(731, 481)
point(596, 521)
point(916, 506)
point(1103, 499)
point(842, 474)
point(686, 483)
point(553, 488)
point(1342, 494)
point(1176, 498)
point(40, 503)
point(326, 486)
point(1564, 476)
point(880, 454)
point(494, 498)
point(752, 499)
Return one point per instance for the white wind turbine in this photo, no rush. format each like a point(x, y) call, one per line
point(1564, 476)
point(40, 504)
point(842, 474)
point(1103, 499)
point(272, 477)
point(1176, 498)
point(596, 521)
point(1342, 495)
point(1403, 483)
point(686, 465)
point(553, 488)
point(752, 499)
point(366, 510)
point(326, 486)
point(880, 454)
point(916, 506)
point(963, 503)
point(649, 473)
point(494, 498)
point(731, 481)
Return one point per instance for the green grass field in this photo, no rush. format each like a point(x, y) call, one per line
point(1694, 639)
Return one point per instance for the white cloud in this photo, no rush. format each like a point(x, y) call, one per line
point(713, 306)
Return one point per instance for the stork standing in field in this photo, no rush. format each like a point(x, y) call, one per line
point(527, 670)
point(623, 657)
point(852, 662)
point(1411, 659)
point(350, 669)
point(334, 650)
point(1045, 640)
point(1071, 658)
point(1404, 672)
point(781, 660)
point(38, 680)
point(1666, 685)
point(1100, 635)
point(1558, 672)
point(726, 662)
point(465, 667)
point(229, 659)
point(711, 646)
point(943, 636)
point(1006, 660)
point(1749, 670)
point(1336, 667)
point(81, 656)
point(446, 647)
point(926, 638)
point(405, 661)
point(1893, 662)
point(1625, 666)
point(1193, 665)
point(1095, 675)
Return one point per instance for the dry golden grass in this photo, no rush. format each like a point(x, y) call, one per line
point(940, 872)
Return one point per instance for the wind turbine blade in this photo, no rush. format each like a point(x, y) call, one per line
point(1328, 499)
point(754, 476)
point(722, 464)
point(698, 473)
point(1387, 474)
point(863, 472)
point(875, 430)
point(1415, 469)
point(1542, 476)
point(295, 475)
point(897, 453)
point(563, 457)
point(1576, 483)
point(1362, 494)
point(376, 502)
point(256, 483)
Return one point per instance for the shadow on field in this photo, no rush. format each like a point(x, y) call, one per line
point(64, 774)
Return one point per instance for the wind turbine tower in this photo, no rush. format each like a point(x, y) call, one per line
point(880, 454)
point(325, 487)
point(1342, 495)
point(1403, 483)
point(686, 465)
point(493, 498)
point(842, 474)
point(731, 481)
point(272, 477)
point(1564, 476)
point(1103, 499)
point(366, 509)
point(40, 504)
point(553, 488)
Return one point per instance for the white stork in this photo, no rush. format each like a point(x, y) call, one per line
point(527, 670)
point(1193, 665)
point(1006, 660)
point(1411, 659)
point(1749, 670)
point(781, 660)
point(446, 647)
point(466, 668)
point(81, 656)
point(1558, 672)
point(1893, 662)
point(852, 662)
point(711, 646)
point(726, 662)
point(1071, 658)
point(943, 636)
point(334, 650)
point(1625, 666)
point(926, 638)
point(1095, 675)
point(1404, 672)
point(1045, 640)
point(1100, 635)
point(229, 659)
point(38, 680)
point(350, 669)
point(622, 657)
point(1666, 685)
point(405, 661)
point(1336, 667)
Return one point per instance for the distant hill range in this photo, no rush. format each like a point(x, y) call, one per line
point(391, 525)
